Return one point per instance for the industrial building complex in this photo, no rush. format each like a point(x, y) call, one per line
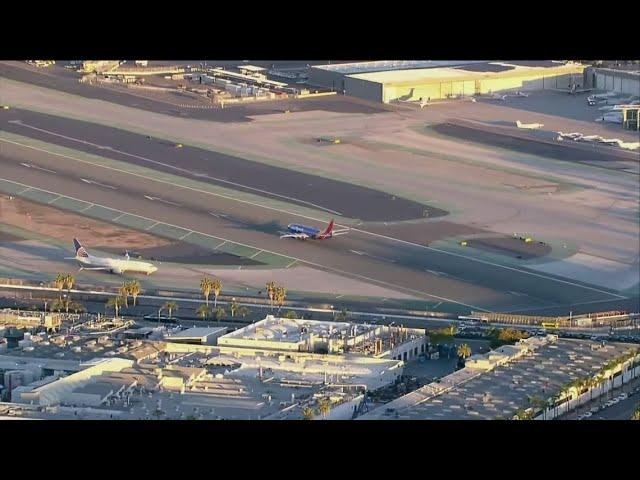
point(409, 81)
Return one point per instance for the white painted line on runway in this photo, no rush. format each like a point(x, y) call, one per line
point(118, 217)
point(217, 246)
point(445, 252)
point(435, 272)
point(35, 167)
point(55, 199)
point(186, 235)
point(149, 228)
point(153, 199)
point(219, 215)
point(22, 191)
point(291, 264)
point(93, 182)
point(88, 207)
point(518, 294)
point(179, 169)
point(437, 305)
point(256, 254)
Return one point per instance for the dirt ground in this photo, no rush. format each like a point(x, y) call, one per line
point(62, 225)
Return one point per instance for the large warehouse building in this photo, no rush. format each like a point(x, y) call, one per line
point(626, 82)
point(387, 81)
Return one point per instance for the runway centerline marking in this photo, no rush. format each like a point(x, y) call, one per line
point(445, 252)
point(36, 167)
point(93, 182)
point(173, 167)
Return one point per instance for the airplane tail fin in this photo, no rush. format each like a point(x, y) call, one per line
point(80, 250)
point(329, 230)
point(518, 123)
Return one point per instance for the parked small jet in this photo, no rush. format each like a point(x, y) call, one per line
point(302, 232)
point(112, 265)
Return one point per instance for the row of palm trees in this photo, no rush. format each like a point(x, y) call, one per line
point(578, 386)
point(65, 281)
point(277, 294)
point(324, 407)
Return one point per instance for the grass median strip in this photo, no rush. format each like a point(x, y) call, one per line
point(144, 224)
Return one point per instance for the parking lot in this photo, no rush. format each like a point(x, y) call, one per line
point(617, 405)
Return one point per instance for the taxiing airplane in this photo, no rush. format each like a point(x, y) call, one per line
point(302, 232)
point(112, 265)
point(529, 126)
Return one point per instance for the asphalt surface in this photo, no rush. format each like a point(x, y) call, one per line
point(58, 78)
point(421, 271)
point(567, 150)
point(346, 199)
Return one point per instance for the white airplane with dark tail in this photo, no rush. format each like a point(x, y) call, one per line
point(111, 265)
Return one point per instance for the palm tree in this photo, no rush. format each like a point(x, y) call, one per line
point(170, 306)
point(243, 311)
point(291, 315)
point(216, 287)
point(203, 311)
point(308, 413)
point(464, 351)
point(636, 413)
point(116, 303)
point(57, 305)
point(219, 313)
point(77, 307)
point(206, 285)
point(271, 289)
point(69, 282)
point(233, 306)
point(59, 283)
point(280, 296)
point(538, 403)
point(124, 293)
point(324, 407)
point(134, 290)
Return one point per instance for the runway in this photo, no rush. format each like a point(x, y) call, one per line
point(332, 196)
point(379, 259)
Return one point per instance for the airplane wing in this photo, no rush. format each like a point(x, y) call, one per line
point(301, 236)
point(94, 268)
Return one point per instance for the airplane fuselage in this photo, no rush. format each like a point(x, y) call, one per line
point(296, 228)
point(116, 265)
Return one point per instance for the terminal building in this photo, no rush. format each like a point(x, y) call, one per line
point(388, 81)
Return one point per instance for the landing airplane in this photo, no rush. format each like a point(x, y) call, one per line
point(112, 265)
point(529, 126)
point(302, 232)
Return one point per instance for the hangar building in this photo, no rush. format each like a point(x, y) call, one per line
point(388, 81)
point(626, 82)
